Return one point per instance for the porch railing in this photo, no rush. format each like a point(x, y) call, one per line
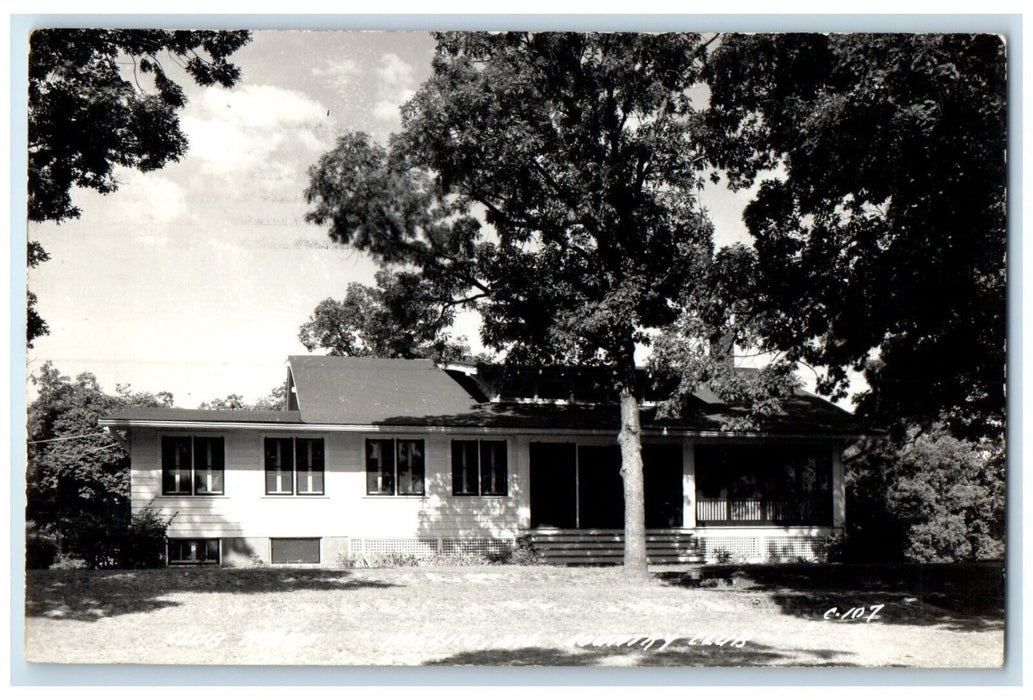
point(744, 511)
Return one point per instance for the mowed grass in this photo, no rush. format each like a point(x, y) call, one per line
point(507, 615)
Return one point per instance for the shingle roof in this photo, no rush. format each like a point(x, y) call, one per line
point(155, 413)
point(397, 393)
point(366, 390)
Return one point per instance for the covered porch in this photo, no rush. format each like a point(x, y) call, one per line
point(695, 492)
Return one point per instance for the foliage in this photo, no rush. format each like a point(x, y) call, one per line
point(275, 400)
point(928, 497)
point(119, 540)
point(78, 476)
point(89, 114)
point(35, 327)
point(524, 553)
point(582, 153)
point(521, 555)
point(879, 222)
point(143, 544)
point(399, 317)
point(578, 148)
point(40, 548)
point(376, 561)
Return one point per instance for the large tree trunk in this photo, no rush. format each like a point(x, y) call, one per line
point(630, 440)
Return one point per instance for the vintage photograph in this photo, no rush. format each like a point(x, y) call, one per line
point(611, 349)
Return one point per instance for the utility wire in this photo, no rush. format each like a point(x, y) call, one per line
point(71, 437)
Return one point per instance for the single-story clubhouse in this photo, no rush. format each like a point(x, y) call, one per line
point(379, 456)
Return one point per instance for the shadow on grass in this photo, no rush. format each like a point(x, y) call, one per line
point(678, 654)
point(88, 596)
point(958, 597)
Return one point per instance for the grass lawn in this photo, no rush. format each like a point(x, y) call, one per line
point(930, 616)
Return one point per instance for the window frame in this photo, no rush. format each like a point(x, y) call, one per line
point(201, 544)
point(294, 471)
point(479, 476)
point(192, 467)
point(395, 472)
point(319, 551)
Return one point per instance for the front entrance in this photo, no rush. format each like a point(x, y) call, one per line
point(580, 486)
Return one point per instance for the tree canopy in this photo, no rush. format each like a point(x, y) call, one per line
point(580, 153)
point(100, 99)
point(399, 317)
point(77, 482)
point(275, 400)
point(879, 224)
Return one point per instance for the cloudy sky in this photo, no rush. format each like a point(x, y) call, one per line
point(195, 278)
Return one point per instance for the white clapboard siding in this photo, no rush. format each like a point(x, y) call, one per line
point(343, 511)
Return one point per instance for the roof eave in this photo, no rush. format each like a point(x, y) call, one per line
point(431, 429)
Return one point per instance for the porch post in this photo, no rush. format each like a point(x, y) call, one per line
point(838, 488)
point(521, 480)
point(688, 481)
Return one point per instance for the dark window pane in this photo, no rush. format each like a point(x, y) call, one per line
point(175, 465)
point(380, 467)
point(553, 484)
point(193, 551)
point(600, 487)
point(309, 462)
point(493, 468)
point(464, 467)
point(410, 467)
point(295, 550)
point(662, 473)
point(209, 461)
point(279, 465)
point(212, 551)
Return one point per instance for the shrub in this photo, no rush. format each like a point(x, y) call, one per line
point(377, 561)
point(40, 549)
point(134, 542)
point(143, 544)
point(524, 553)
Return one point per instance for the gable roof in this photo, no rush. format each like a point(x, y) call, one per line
point(394, 393)
point(366, 390)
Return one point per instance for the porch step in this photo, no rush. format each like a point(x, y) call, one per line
point(588, 547)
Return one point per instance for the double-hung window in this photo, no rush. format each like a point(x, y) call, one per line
point(479, 468)
point(294, 465)
point(192, 465)
point(394, 467)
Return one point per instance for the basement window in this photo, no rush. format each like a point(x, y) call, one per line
point(190, 551)
point(295, 550)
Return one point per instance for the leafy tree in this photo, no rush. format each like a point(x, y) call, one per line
point(35, 326)
point(89, 113)
point(581, 151)
point(929, 496)
point(78, 475)
point(400, 317)
point(879, 224)
point(275, 400)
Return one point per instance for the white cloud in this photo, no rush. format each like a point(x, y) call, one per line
point(387, 109)
point(341, 73)
point(397, 86)
point(150, 197)
point(238, 132)
point(394, 72)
